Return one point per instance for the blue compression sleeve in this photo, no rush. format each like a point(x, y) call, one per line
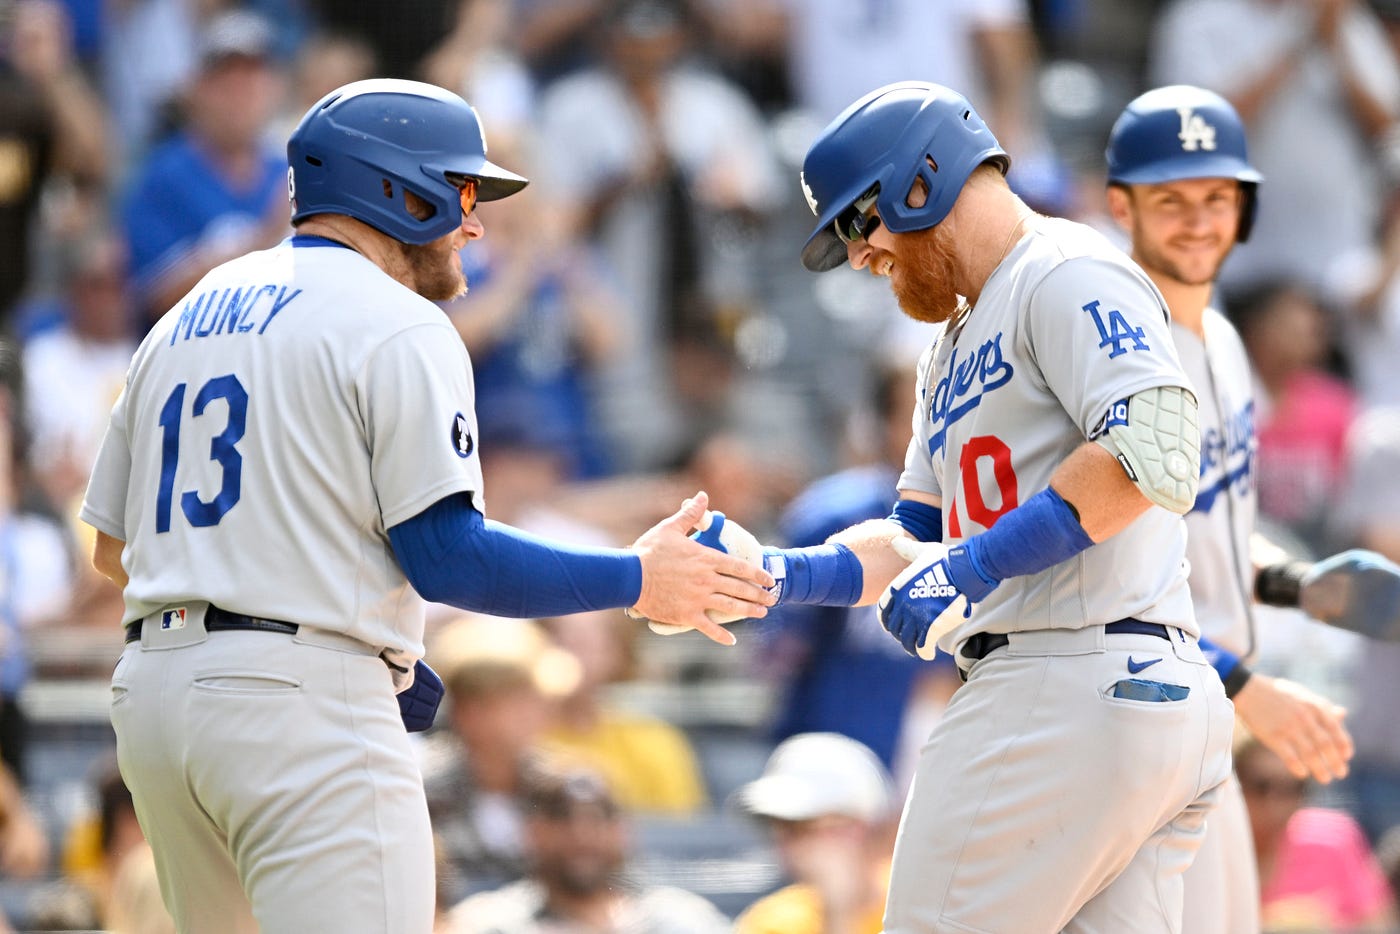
point(452, 554)
point(1039, 533)
point(1222, 660)
point(1233, 672)
point(819, 575)
point(920, 520)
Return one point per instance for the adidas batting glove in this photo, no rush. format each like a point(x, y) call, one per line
point(933, 594)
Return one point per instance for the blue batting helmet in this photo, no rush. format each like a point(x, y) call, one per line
point(1180, 132)
point(363, 145)
point(888, 138)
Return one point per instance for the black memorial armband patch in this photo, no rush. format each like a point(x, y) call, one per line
point(462, 441)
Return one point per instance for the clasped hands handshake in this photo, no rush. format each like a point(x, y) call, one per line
point(930, 597)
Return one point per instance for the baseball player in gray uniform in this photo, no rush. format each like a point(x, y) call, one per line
point(1037, 538)
point(293, 455)
point(1181, 185)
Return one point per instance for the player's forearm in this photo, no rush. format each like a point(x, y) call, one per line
point(879, 562)
point(453, 555)
point(1103, 497)
point(107, 558)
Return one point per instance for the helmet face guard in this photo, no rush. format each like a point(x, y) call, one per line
point(361, 147)
point(887, 139)
point(1182, 132)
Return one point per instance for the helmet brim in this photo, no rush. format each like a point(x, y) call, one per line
point(823, 251)
point(494, 183)
point(1176, 169)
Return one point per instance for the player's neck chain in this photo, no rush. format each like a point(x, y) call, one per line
point(964, 307)
point(1011, 237)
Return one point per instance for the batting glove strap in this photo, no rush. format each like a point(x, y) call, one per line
point(966, 572)
point(1281, 584)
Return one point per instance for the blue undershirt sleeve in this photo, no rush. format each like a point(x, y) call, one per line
point(453, 554)
point(920, 520)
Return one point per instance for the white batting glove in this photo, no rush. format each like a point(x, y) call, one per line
point(723, 534)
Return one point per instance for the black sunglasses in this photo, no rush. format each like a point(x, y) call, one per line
point(853, 223)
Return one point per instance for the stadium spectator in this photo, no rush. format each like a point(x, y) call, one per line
point(1304, 74)
point(97, 846)
point(502, 678)
point(74, 368)
point(1316, 870)
point(478, 59)
point(648, 763)
point(540, 322)
point(578, 848)
point(668, 167)
point(36, 564)
point(830, 807)
point(323, 62)
point(52, 126)
point(1302, 412)
point(216, 189)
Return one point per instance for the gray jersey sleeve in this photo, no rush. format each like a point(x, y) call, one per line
point(418, 407)
point(919, 473)
point(104, 504)
point(1098, 332)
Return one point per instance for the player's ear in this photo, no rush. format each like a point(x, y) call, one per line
point(917, 195)
point(1120, 205)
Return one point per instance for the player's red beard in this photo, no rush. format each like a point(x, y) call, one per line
point(922, 279)
point(436, 269)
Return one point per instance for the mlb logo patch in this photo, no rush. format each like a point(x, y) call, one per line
point(172, 619)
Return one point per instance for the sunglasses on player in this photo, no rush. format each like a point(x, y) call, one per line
point(466, 185)
point(853, 224)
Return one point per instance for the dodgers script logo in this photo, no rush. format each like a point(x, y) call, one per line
point(1228, 456)
point(1195, 132)
point(962, 389)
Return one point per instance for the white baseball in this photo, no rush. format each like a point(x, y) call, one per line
point(740, 543)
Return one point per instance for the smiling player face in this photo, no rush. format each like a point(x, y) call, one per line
point(1182, 230)
point(436, 267)
point(919, 265)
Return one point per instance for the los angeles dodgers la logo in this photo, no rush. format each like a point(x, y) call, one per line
point(1116, 331)
point(1195, 132)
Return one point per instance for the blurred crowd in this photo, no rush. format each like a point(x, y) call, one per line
point(640, 327)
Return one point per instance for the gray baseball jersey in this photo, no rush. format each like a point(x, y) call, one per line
point(1220, 523)
point(1221, 885)
point(272, 430)
point(1065, 327)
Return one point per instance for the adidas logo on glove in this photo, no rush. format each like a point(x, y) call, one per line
point(933, 584)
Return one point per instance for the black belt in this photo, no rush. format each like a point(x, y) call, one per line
point(217, 620)
point(982, 644)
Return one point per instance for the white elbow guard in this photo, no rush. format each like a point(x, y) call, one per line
point(1156, 437)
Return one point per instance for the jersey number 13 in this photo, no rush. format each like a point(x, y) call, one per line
point(221, 449)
